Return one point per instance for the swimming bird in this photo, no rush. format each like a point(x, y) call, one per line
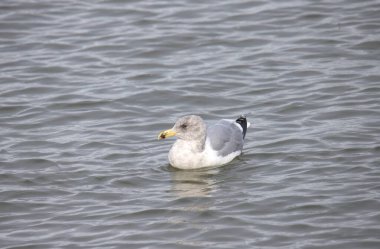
point(199, 146)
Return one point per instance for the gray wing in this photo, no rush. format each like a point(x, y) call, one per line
point(225, 137)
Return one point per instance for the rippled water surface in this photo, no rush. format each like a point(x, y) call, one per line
point(85, 87)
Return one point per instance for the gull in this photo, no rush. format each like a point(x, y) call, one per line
point(199, 146)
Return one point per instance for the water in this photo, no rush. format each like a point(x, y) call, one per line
point(87, 85)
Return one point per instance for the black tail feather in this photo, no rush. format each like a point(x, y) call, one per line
point(242, 121)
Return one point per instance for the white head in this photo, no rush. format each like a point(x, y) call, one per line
point(188, 128)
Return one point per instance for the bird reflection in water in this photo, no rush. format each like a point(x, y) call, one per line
point(194, 183)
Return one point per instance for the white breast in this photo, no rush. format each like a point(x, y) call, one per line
point(186, 155)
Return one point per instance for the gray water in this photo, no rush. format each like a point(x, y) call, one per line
point(86, 86)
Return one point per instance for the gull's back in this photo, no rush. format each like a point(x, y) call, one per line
point(226, 137)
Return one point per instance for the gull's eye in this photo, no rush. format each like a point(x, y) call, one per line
point(183, 126)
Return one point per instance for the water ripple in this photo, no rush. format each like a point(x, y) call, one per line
point(86, 86)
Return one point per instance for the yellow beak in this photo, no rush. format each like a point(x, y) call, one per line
point(165, 134)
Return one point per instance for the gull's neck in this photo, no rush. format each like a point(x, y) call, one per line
point(194, 145)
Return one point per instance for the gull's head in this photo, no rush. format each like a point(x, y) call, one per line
point(189, 127)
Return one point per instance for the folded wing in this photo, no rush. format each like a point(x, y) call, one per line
point(225, 137)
